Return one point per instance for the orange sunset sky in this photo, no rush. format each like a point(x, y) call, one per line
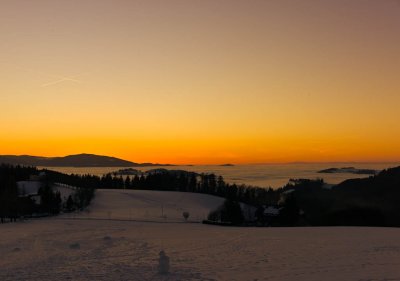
point(201, 81)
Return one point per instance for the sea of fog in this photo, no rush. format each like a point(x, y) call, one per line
point(264, 175)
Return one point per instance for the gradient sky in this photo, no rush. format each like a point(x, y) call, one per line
point(201, 81)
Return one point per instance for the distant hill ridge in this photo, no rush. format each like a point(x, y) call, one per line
point(78, 160)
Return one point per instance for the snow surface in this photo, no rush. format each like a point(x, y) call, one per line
point(28, 187)
point(148, 205)
point(65, 191)
point(96, 246)
point(32, 188)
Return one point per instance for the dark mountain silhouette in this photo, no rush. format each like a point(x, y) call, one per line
point(79, 160)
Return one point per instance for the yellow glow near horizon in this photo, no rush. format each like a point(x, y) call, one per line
point(201, 81)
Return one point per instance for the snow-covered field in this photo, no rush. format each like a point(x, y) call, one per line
point(147, 205)
point(113, 242)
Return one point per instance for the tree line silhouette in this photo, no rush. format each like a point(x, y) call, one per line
point(173, 180)
point(15, 204)
point(11, 205)
point(372, 201)
point(369, 201)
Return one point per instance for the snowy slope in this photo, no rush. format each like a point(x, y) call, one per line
point(150, 205)
point(84, 248)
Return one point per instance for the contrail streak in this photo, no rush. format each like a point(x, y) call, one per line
point(36, 73)
point(64, 79)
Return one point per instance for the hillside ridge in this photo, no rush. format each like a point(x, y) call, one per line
point(76, 160)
